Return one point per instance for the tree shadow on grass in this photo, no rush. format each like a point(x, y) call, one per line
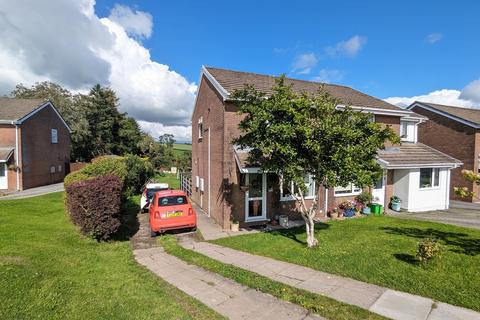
point(456, 242)
point(129, 221)
point(293, 233)
point(408, 258)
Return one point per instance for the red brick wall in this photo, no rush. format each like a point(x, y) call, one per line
point(209, 105)
point(7, 139)
point(39, 154)
point(452, 138)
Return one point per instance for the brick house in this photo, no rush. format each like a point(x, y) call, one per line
point(220, 173)
point(456, 132)
point(34, 144)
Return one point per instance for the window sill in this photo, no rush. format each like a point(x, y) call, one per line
point(347, 194)
point(429, 188)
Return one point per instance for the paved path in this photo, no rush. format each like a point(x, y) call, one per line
point(390, 303)
point(460, 216)
point(222, 295)
point(33, 192)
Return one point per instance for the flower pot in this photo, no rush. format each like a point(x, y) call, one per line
point(395, 206)
point(349, 213)
point(366, 210)
point(334, 215)
point(283, 221)
point(235, 226)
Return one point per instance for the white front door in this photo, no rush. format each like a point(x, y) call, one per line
point(378, 191)
point(255, 197)
point(3, 176)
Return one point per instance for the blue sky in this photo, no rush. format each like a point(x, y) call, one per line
point(396, 58)
point(151, 52)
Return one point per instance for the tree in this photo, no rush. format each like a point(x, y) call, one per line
point(469, 176)
point(293, 134)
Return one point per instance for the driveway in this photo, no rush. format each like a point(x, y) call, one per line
point(460, 214)
point(33, 192)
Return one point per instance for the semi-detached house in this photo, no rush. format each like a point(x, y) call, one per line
point(227, 187)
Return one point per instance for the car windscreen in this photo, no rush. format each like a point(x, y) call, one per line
point(172, 201)
point(151, 192)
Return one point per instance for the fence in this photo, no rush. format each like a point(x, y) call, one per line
point(186, 182)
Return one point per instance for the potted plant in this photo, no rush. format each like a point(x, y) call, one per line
point(395, 203)
point(365, 198)
point(348, 208)
point(333, 214)
point(234, 224)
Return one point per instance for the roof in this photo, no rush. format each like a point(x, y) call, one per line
point(415, 155)
point(13, 109)
point(470, 115)
point(6, 153)
point(231, 80)
point(241, 157)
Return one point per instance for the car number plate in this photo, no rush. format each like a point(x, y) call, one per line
point(174, 214)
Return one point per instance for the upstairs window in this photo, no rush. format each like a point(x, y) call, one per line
point(200, 128)
point(407, 131)
point(429, 178)
point(54, 136)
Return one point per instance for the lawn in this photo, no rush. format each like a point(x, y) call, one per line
point(180, 148)
point(382, 250)
point(48, 271)
point(170, 178)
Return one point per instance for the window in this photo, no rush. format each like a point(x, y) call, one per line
point(289, 189)
point(200, 128)
point(349, 190)
point(54, 136)
point(59, 168)
point(429, 178)
point(172, 201)
point(407, 131)
point(52, 169)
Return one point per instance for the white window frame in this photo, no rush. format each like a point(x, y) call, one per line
point(200, 128)
point(433, 178)
point(290, 197)
point(354, 190)
point(404, 125)
point(54, 136)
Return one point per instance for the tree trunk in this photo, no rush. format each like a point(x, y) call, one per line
point(308, 214)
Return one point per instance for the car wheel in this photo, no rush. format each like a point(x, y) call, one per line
point(153, 234)
point(194, 229)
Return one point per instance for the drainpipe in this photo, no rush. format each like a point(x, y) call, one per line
point(326, 202)
point(17, 155)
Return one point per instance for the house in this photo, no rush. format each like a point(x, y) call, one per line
point(418, 174)
point(456, 132)
point(34, 144)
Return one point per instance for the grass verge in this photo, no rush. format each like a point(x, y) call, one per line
point(314, 303)
point(49, 271)
point(381, 250)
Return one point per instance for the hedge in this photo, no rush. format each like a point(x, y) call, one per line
point(95, 205)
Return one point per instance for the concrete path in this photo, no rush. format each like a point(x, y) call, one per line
point(222, 295)
point(390, 303)
point(459, 215)
point(33, 192)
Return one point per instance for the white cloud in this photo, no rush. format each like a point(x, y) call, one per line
point(434, 38)
point(472, 91)
point(304, 63)
point(67, 43)
point(155, 129)
point(466, 98)
point(329, 75)
point(138, 23)
point(349, 48)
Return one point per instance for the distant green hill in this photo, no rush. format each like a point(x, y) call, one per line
point(182, 146)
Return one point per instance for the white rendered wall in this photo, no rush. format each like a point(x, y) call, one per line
point(401, 186)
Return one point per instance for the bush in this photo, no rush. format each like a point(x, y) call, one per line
point(94, 205)
point(107, 166)
point(139, 170)
point(75, 177)
point(428, 249)
point(364, 198)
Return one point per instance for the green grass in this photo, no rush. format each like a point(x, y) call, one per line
point(48, 271)
point(315, 303)
point(170, 178)
point(381, 250)
point(182, 146)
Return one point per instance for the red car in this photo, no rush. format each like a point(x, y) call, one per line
point(171, 209)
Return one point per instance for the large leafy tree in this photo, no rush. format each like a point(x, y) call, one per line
point(293, 134)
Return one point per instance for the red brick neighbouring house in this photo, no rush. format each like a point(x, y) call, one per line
point(221, 174)
point(34, 144)
point(456, 132)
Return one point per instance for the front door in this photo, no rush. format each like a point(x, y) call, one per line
point(255, 197)
point(378, 191)
point(3, 176)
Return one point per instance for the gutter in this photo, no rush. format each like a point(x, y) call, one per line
point(17, 155)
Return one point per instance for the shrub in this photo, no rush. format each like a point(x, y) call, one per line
point(139, 170)
point(106, 166)
point(428, 249)
point(94, 205)
point(75, 177)
point(364, 198)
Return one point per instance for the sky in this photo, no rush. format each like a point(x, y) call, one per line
point(151, 52)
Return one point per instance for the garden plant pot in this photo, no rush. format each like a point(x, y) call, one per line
point(235, 226)
point(334, 216)
point(283, 221)
point(366, 210)
point(376, 209)
point(395, 206)
point(349, 213)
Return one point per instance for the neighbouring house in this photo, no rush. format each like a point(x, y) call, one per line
point(456, 132)
point(34, 144)
point(418, 174)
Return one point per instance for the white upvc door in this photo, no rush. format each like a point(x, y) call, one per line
point(255, 197)
point(378, 190)
point(3, 176)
